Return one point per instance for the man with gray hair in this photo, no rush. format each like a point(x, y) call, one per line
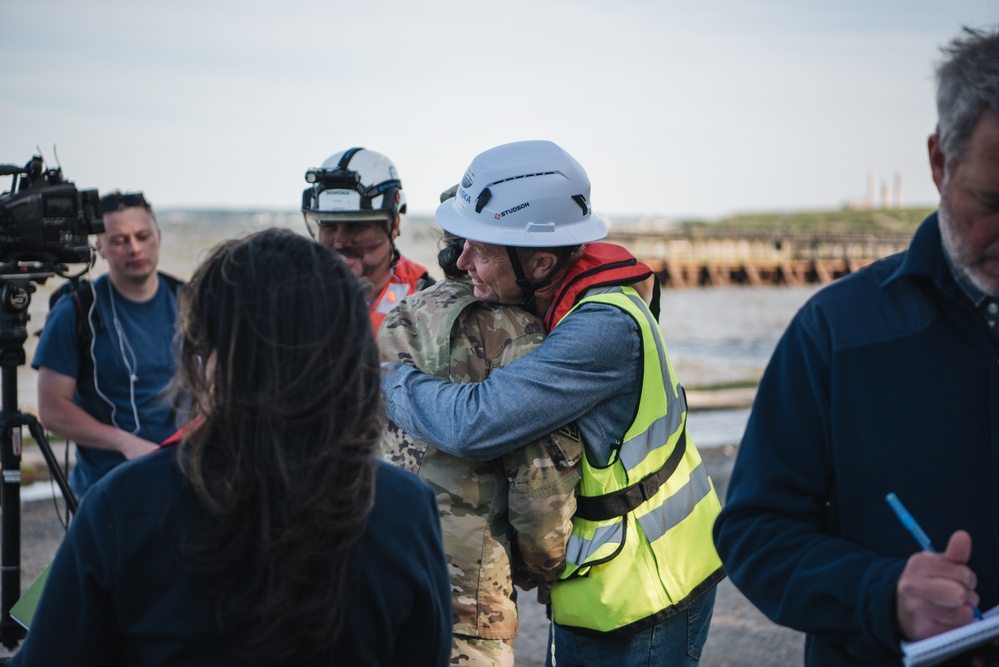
point(887, 382)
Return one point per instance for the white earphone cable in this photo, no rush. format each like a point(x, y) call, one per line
point(123, 345)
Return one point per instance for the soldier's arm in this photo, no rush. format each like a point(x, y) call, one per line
point(541, 497)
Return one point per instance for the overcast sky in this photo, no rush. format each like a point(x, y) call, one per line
point(674, 108)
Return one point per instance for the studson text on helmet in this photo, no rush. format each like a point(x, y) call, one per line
point(512, 210)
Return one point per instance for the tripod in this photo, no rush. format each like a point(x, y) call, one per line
point(15, 297)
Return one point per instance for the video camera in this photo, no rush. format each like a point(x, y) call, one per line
point(44, 218)
point(44, 224)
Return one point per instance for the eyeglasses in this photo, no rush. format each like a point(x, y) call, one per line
point(117, 201)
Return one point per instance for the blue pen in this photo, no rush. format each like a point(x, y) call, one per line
point(915, 530)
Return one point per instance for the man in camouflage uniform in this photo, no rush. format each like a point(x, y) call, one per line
point(504, 521)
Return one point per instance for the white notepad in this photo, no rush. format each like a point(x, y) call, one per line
point(934, 650)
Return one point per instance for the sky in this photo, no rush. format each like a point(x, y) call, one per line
point(675, 109)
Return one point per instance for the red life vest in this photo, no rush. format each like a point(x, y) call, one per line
point(407, 277)
point(602, 264)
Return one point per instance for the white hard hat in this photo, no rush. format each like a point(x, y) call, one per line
point(356, 185)
point(524, 194)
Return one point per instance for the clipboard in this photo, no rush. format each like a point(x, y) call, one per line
point(23, 610)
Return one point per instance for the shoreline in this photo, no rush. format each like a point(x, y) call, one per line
point(720, 399)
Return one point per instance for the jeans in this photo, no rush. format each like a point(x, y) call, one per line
point(676, 641)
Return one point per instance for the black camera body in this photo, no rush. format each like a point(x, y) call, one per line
point(46, 219)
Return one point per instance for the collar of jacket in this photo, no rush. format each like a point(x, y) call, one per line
point(602, 265)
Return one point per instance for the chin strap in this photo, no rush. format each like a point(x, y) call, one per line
point(525, 284)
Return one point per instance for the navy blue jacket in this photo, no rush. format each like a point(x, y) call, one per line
point(885, 381)
point(117, 593)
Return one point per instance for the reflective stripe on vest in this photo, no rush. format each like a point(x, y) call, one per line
point(391, 296)
point(636, 447)
point(626, 572)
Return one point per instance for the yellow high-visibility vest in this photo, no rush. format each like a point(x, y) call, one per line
point(641, 547)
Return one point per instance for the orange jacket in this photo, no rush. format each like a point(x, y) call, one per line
point(407, 277)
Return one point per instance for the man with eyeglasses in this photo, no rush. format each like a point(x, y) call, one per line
point(353, 207)
point(106, 353)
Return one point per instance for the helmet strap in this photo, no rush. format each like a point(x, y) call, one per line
point(525, 285)
point(389, 224)
point(528, 286)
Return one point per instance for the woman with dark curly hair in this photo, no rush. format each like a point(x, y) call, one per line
point(267, 534)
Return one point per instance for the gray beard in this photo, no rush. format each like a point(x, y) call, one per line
point(961, 255)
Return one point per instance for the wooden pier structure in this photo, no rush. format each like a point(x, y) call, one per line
point(703, 258)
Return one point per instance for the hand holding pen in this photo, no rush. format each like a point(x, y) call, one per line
point(935, 590)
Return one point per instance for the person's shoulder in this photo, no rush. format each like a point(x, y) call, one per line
point(862, 289)
point(869, 305)
point(171, 280)
point(403, 502)
point(417, 330)
point(140, 485)
point(491, 336)
point(65, 330)
point(170, 285)
point(597, 321)
point(153, 463)
point(440, 296)
point(399, 483)
point(412, 273)
point(498, 320)
point(867, 281)
point(63, 308)
point(73, 294)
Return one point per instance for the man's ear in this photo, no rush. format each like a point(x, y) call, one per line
point(394, 227)
point(542, 264)
point(938, 161)
point(98, 248)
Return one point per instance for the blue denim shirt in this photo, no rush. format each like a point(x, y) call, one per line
point(587, 371)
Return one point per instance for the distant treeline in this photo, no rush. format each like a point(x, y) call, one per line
point(832, 221)
point(835, 221)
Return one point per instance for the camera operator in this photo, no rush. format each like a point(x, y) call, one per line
point(106, 353)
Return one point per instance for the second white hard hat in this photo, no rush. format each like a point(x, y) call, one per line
point(523, 194)
point(355, 185)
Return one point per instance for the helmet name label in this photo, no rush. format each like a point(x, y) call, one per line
point(513, 209)
point(338, 199)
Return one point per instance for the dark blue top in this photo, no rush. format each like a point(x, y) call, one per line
point(118, 595)
point(886, 380)
point(143, 347)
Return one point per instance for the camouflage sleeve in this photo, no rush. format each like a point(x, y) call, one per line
point(542, 480)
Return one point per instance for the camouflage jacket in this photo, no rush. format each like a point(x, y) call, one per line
point(504, 521)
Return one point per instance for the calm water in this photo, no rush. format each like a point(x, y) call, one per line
point(714, 335)
point(722, 335)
